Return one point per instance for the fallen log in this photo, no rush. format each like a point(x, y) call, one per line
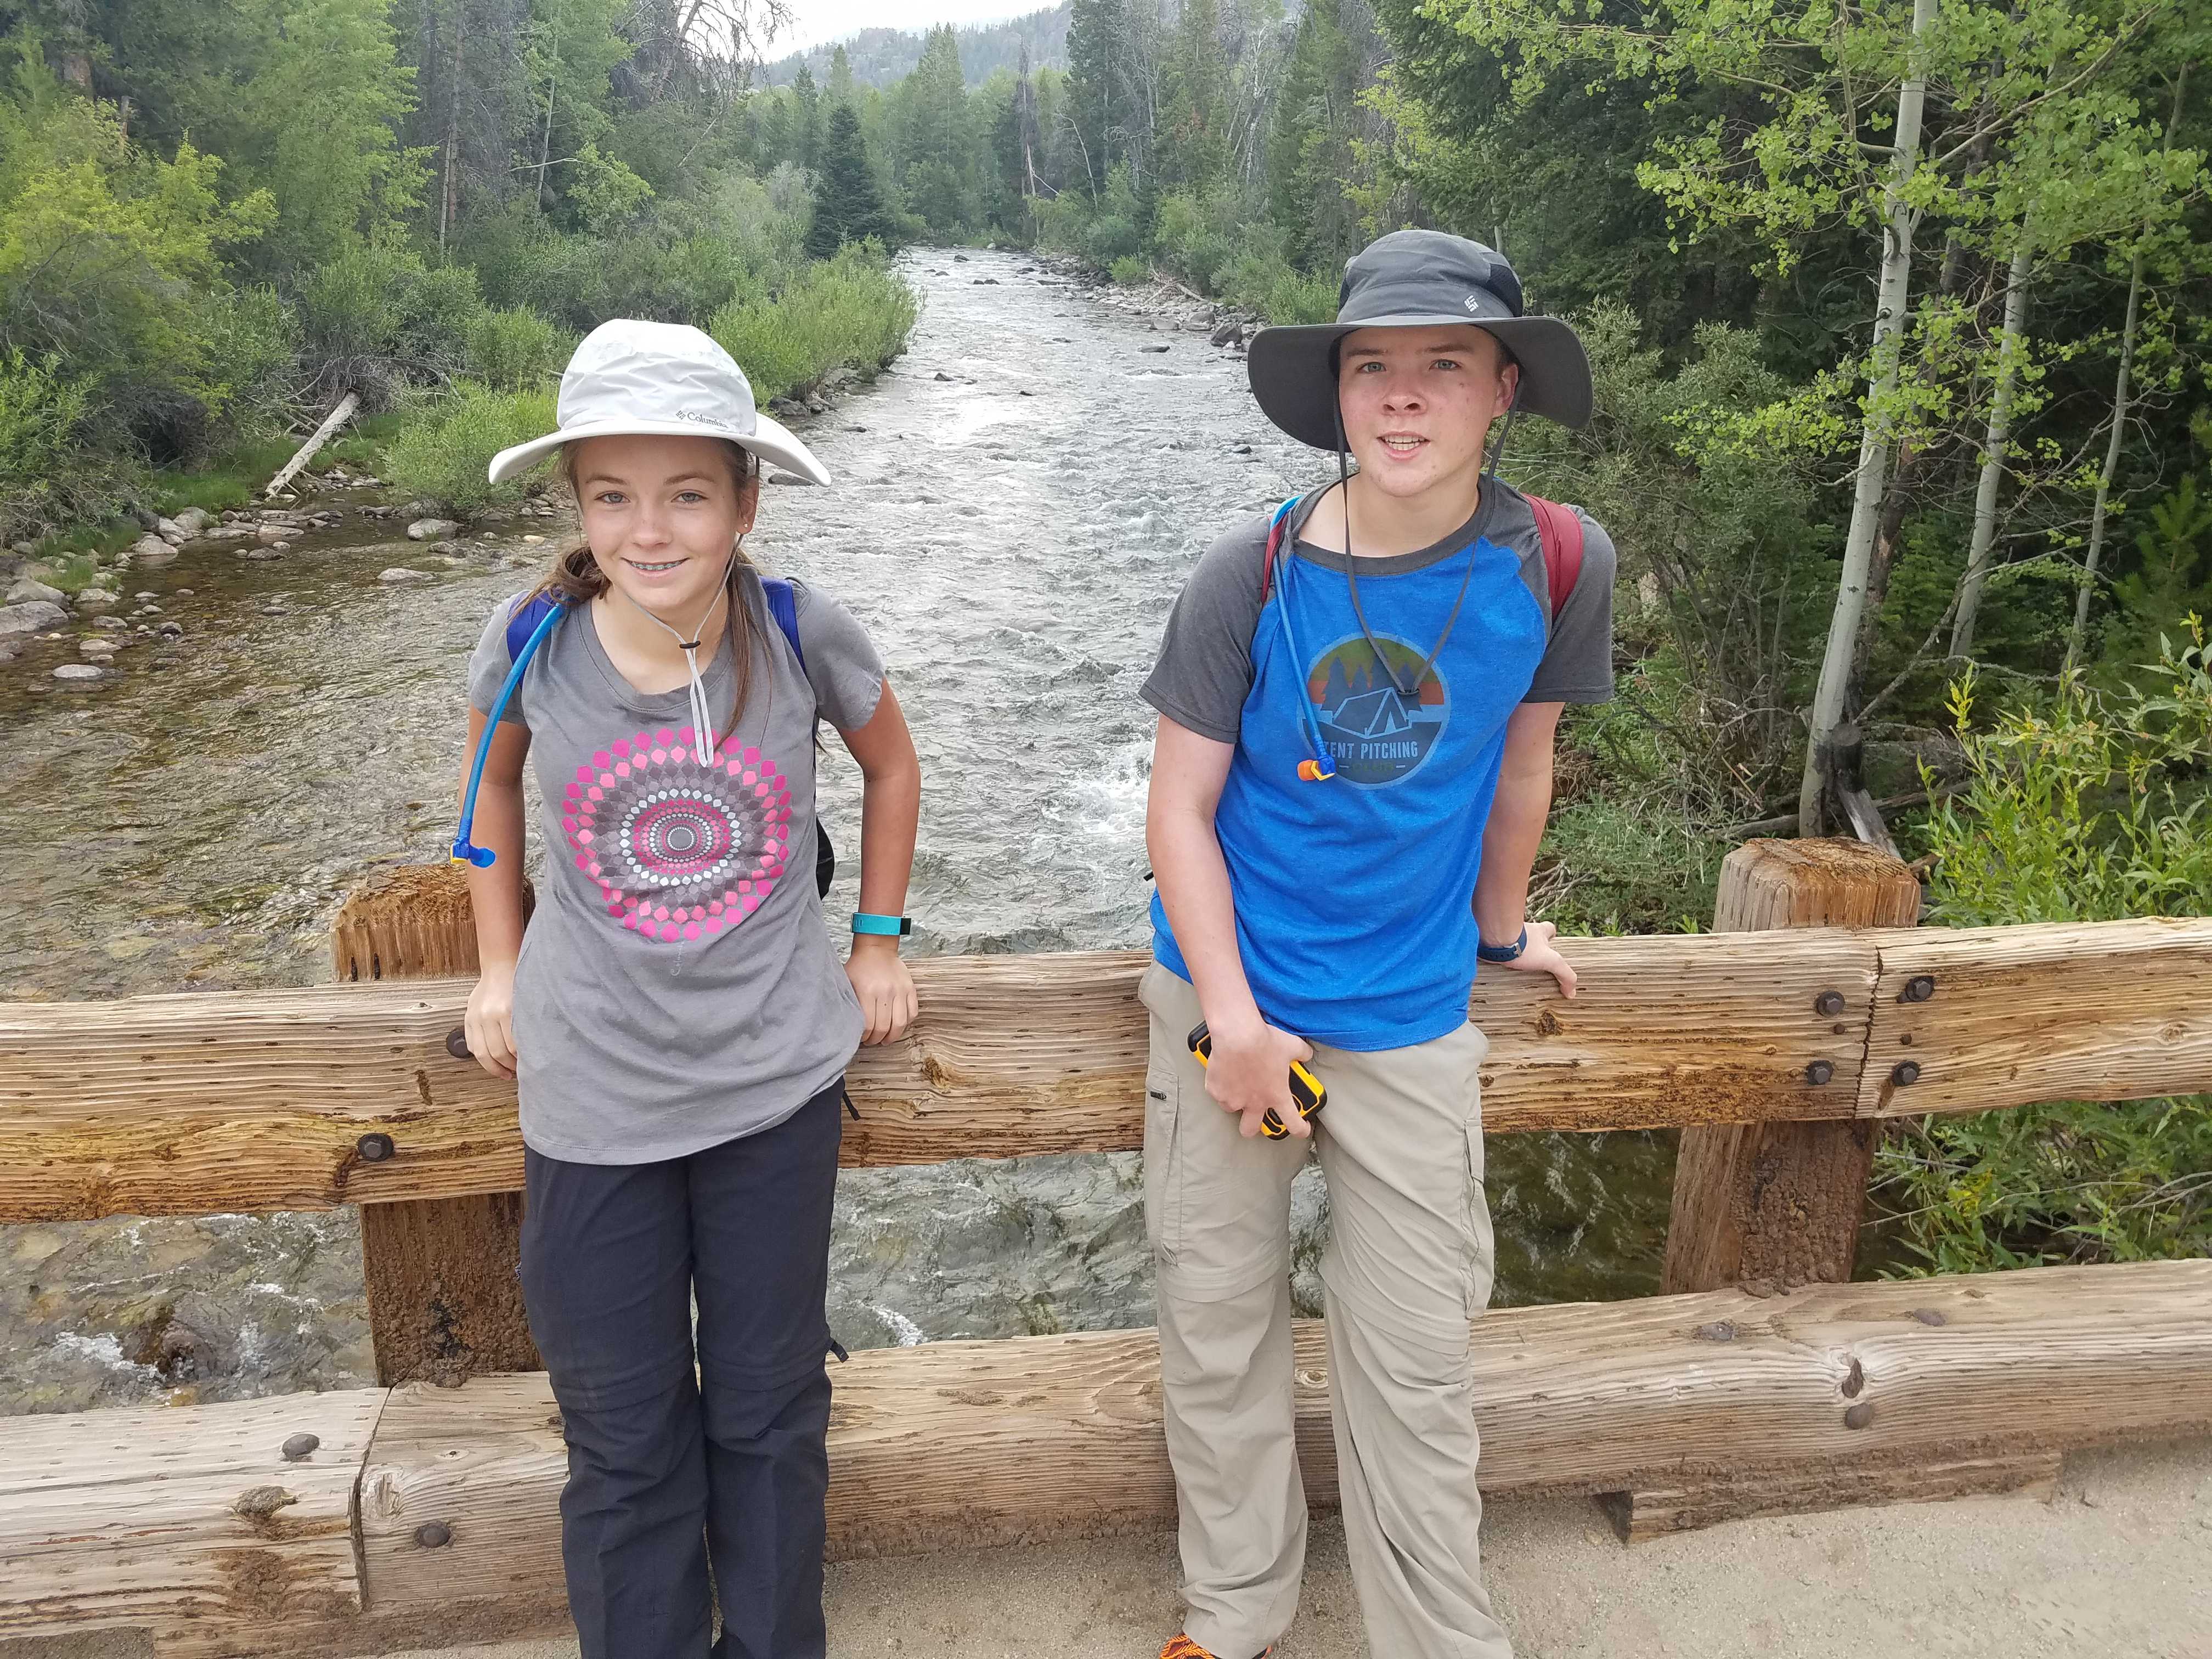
point(1835, 1393)
point(305, 1099)
point(337, 418)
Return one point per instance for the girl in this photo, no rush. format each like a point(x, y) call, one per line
point(678, 1022)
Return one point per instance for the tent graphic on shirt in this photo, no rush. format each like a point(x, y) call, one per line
point(1377, 732)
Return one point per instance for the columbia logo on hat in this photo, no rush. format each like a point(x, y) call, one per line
point(1473, 304)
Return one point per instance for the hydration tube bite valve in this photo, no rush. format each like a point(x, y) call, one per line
point(464, 850)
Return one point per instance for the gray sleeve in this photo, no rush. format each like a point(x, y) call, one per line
point(1577, 665)
point(1204, 673)
point(842, 663)
point(488, 664)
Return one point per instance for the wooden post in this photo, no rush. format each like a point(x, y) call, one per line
point(444, 1303)
point(1781, 1201)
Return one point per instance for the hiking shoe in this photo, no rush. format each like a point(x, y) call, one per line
point(1180, 1646)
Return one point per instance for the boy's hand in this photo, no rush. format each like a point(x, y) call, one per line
point(1250, 1072)
point(490, 1021)
point(1542, 956)
point(884, 987)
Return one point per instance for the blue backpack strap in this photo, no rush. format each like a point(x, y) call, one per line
point(524, 623)
point(784, 607)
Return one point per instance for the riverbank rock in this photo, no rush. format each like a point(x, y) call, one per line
point(95, 602)
point(193, 520)
point(400, 573)
point(152, 550)
point(432, 530)
point(28, 589)
point(80, 672)
point(30, 617)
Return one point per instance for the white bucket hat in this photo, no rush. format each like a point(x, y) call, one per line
point(659, 379)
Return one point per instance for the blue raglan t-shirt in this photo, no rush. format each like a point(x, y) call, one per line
point(1354, 898)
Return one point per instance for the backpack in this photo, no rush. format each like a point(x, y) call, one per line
point(783, 606)
point(1558, 537)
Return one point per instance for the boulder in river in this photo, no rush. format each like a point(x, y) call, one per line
point(152, 550)
point(192, 520)
point(79, 671)
point(432, 530)
point(30, 617)
point(400, 573)
point(27, 588)
point(95, 601)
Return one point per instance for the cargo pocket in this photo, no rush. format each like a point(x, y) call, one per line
point(1163, 1162)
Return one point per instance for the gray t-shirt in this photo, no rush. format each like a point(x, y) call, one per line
point(676, 988)
point(1205, 671)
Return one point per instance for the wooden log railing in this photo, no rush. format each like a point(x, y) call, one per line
point(190, 1104)
point(429, 1515)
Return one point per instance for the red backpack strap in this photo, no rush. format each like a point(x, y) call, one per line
point(1560, 534)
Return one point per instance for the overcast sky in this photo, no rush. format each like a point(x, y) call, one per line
point(815, 21)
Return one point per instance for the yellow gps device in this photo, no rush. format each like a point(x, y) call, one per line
point(1306, 1092)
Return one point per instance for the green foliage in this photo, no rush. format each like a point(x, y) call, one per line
point(849, 206)
point(512, 349)
point(378, 320)
point(2089, 807)
point(443, 454)
point(851, 312)
point(50, 475)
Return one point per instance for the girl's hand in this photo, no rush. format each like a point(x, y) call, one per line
point(1542, 956)
point(883, 986)
point(1250, 1072)
point(490, 1020)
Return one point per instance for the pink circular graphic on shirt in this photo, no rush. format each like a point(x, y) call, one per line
point(671, 841)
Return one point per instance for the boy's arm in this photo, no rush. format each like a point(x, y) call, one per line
point(1249, 1071)
point(1509, 841)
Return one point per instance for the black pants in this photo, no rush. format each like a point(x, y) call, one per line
point(667, 1463)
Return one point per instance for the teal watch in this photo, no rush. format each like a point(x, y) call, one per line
point(896, 927)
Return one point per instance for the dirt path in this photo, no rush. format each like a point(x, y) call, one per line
point(2119, 1566)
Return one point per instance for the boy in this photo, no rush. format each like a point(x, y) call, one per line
point(1355, 736)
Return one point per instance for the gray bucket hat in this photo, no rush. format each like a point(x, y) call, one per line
point(659, 379)
point(1410, 279)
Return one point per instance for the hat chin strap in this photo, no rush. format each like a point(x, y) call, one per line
point(702, 724)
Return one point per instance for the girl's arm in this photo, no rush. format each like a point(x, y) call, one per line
point(1509, 841)
point(890, 814)
point(1251, 1063)
point(496, 894)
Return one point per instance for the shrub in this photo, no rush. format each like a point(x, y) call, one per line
point(377, 320)
point(852, 311)
point(51, 472)
point(443, 452)
point(2088, 808)
point(1130, 271)
point(1259, 276)
point(512, 349)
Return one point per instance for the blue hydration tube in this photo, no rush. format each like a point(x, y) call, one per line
point(464, 850)
point(1322, 766)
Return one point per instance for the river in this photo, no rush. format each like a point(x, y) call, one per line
point(1017, 503)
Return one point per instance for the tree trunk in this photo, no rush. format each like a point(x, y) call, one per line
point(1993, 450)
point(2079, 630)
point(1873, 442)
point(449, 200)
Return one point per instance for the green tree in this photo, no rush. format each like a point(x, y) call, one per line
point(1310, 151)
point(848, 207)
point(1194, 148)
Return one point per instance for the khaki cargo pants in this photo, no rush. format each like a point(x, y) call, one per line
point(1408, 1266)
